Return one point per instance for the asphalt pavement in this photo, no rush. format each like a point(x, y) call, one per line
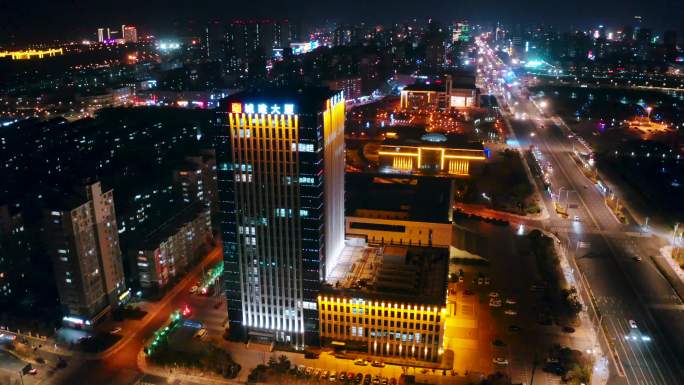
point(605, 249)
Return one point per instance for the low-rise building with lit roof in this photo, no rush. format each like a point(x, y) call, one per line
point(429, 154)
point(387, 301)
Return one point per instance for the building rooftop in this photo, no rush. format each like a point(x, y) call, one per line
point(390, 273)
point(416, 136)
point(418, 199)
point(152, 239)
point(305, 98)
point(425, 87)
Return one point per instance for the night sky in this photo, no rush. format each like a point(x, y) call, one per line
point(44, 19)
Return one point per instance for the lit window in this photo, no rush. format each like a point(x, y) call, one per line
point(303, 147)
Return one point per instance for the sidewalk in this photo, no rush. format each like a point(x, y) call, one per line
point(600, 369)
point(669, 268)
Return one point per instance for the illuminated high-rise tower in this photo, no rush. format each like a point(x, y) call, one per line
point(281, 188)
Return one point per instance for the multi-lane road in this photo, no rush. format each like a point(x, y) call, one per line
point(605, 251)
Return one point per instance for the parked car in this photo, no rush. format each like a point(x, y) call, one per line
point(360, 362)
point(201, 333)
point(500, 361)
point(378, 364)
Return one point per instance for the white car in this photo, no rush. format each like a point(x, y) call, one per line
point(493, 294)
point(500, 361)
point(511, 301)
point(115, 330)
point(632, 324)
point(510, 312)
point(576, 218)
point(495, 302)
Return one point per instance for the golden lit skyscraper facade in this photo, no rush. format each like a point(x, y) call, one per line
point(281, 190)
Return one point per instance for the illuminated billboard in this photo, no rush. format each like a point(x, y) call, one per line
point(262, 108)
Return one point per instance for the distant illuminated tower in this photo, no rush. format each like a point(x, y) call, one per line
point(281, 186)
point(100, 35)
point(129, 34)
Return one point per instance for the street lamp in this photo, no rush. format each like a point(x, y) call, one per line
point(648, 111)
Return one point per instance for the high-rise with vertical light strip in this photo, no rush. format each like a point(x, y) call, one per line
point(281, 187)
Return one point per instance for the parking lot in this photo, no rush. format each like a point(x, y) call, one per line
point(505, 297)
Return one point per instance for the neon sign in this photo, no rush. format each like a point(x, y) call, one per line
point(262, 108)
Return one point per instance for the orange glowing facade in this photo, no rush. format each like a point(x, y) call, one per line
point(429, 158)
point(383, 328)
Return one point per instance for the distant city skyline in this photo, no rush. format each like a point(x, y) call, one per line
point(44, 20)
